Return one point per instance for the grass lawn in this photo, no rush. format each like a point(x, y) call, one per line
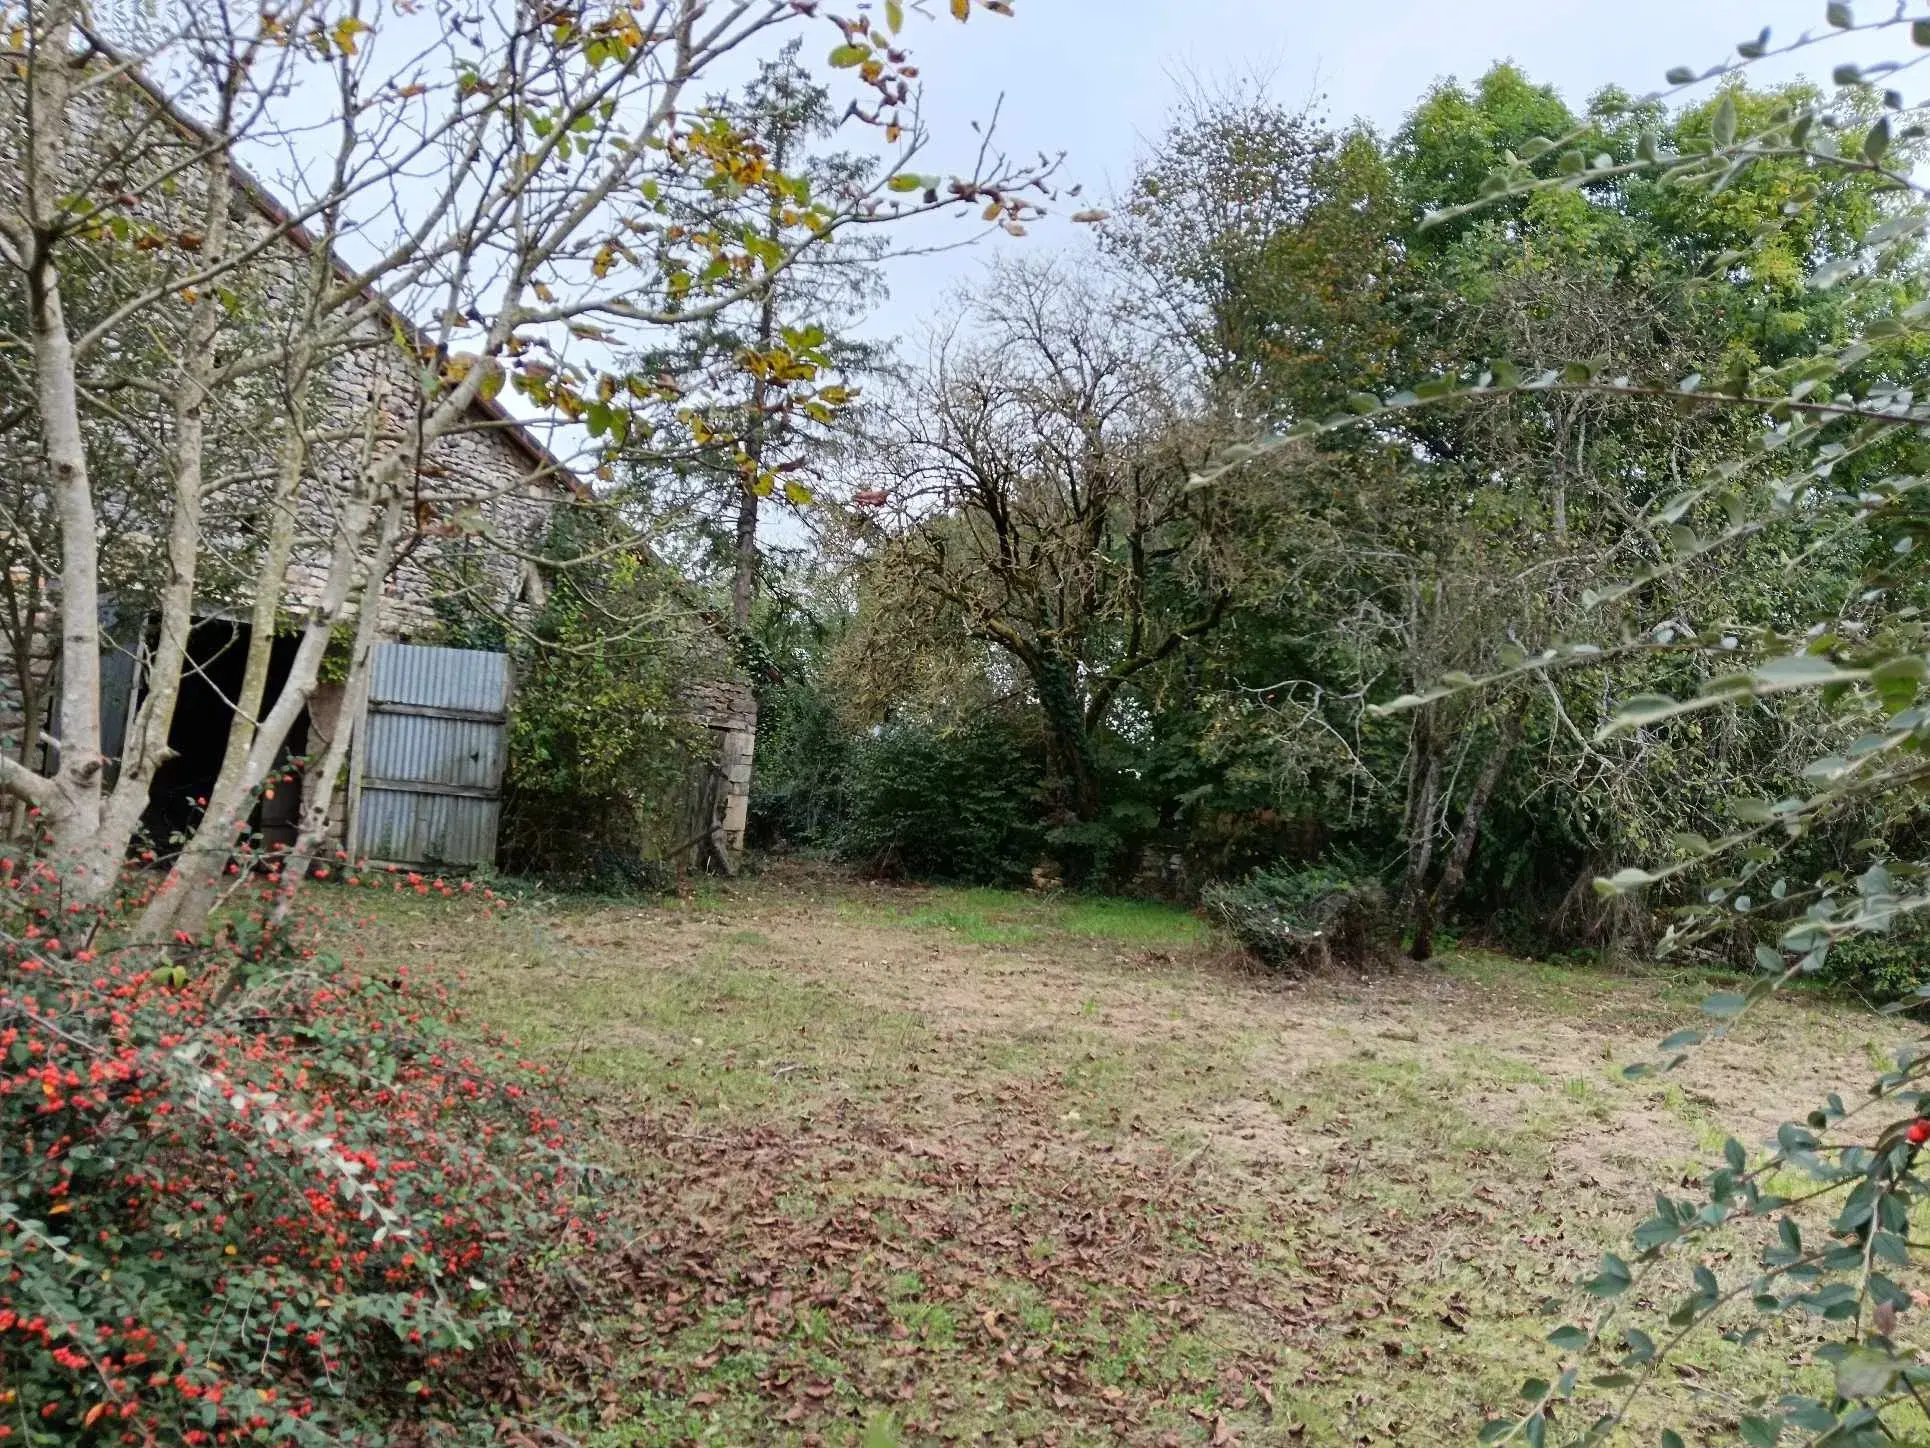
point(923, 1165)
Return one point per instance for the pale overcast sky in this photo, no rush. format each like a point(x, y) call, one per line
point(1094, 78)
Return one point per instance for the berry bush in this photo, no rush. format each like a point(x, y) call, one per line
point(251, 1194)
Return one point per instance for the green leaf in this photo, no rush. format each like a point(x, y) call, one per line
point(1799, 671)
point(1723, 126)
point(1682, 75)
point(1622, 881)
point(1761, 1432)
point(1613, 1279)
point(1864, 1372)
point(1904, 667)
point(1568, 1339)
point(905, 181)
point(846, 56)
point(1920, 32)
point(1725, 1003)
point(1672, 1439)
point(1644, 709)
point(1839, 15)
point(895, 15)
point(1878, 140)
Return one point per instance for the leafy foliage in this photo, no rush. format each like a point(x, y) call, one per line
point(1883, 965)
point(1819, 395)
point(947, 803)
point(1043, 530)
point(804, 755)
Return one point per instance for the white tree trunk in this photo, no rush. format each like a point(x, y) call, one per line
point(72, 797)
point(319, 787)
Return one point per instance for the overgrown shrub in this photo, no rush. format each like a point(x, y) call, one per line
point(250, 1194)
point(946, 803)
point(1303, 919)
point(601, 740)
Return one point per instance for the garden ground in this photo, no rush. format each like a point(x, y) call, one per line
point(909, 1165)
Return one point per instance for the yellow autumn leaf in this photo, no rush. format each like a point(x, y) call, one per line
point(346, 29)
point(961, 9)
point(458, 365)
point(894, 15)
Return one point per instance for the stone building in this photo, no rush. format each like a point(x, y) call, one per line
point(506, 484)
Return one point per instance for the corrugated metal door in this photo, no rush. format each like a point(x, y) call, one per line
point(433, 745)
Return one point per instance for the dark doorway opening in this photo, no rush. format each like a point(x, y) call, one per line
point(210, 682)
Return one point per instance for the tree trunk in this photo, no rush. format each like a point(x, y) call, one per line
point(1455, 873)
point(1423, 790)
point(255, 740)
point(1069, 749)
point(319, 788)
point(740, 749)
point(154, 719)
point(92, 830)
point(743, 583)
point(71, 799)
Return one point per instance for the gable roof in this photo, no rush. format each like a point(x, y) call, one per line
point(544, 463)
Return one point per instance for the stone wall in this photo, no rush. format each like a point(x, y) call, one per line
point(729, 708)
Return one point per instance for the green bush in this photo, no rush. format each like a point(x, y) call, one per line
point(946, 803)
point(1884, 966)
point(1305, 918)
point(804, 752)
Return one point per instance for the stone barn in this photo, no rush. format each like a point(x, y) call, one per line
point(428, 752)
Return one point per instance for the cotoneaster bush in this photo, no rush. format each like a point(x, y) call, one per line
point(249, 1193)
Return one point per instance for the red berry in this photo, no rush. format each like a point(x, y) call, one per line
point(1918, 1132)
